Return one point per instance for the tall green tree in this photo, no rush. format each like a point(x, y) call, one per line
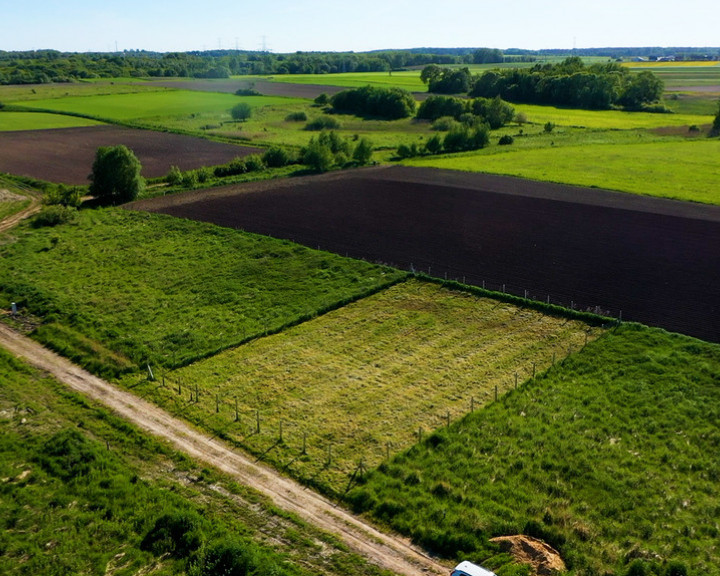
point(115, 175)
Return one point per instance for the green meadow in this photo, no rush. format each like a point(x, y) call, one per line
point(13, 121)
point(146, 106)
point(348, 388)
point(683, 170)
point(83, 492)
point(609, 456)
point(116, 290)
point(408, 80)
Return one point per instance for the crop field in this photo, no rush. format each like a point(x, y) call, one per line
point(608, 457)
point(119, 289)
point(360, 382)
point(651, 259)
point(683, 170)
point(12, 121)
point(677, 75)
point(83, 492)
point(67, 155)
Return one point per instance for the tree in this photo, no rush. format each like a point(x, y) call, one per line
point(363, 152)
point(715, 130)
point(641, 89)
point(115, 175)
point(317, 156)
point(241, 111)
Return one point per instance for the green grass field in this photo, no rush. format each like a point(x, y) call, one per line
point(147, 106)
point(117, 288)
point(12, 121)
point(684, 170)
point(408, 80)
point(81, 492)
point(361, 381)
point(608, 456)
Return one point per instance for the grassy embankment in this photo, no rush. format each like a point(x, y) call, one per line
point(360, 382)
point(115, 290)
point(82, 492)
point(608, 456)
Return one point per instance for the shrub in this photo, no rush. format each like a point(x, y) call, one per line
point(68, 455)
point(190, 179)
point(434, 145)
point(363, 152)
point(549, 127)
point(444, 124)
point(174, 176)
point(247, 92)
point(435, 107)
point(276, 157)
point(254, 163)
point(506, 140)
point(323, 123)
point(204, 174)
point(296, 117)
point(405, 151)
point(63, 196)
point(322, 100)
point(177, 533)
point(53, 216)
point(318, 156)
point(233, 168)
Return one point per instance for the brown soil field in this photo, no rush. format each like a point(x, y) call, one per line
point(66, 154)
point(646, 259)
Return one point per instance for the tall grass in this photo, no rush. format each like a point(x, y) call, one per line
point(608, 456)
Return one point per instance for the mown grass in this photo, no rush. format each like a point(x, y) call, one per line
point(166, 291)
point(16, 93)
point(682, 169)
point(13, 121)
point(361, 381)
point(81, 492)
point(609, 456)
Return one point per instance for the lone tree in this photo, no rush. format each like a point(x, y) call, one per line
point(241, 112)
point(116, 175)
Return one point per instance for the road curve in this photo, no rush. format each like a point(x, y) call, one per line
point(386, 551)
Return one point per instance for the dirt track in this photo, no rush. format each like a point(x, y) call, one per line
point(655, 261)
point(389, 552)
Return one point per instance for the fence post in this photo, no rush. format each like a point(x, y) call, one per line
point(237, 416)
point(304, 449)
point(257, 420)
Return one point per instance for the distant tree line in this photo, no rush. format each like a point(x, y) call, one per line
point(43, 66)
point(569, 83)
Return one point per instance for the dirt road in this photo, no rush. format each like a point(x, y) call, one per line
point(15, 219)
point(389, 552)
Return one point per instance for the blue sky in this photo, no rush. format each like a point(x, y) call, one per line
point(317, 25)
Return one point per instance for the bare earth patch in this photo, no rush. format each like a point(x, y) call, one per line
point(66, 154)
point(544, 559)
point(652, 260)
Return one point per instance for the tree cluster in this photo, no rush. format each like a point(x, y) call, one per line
point(115, 176)
point(494, 111)
point(572, 83)
point(329, 150)
point(460, 138)
point(371, 101)
point(446, 80)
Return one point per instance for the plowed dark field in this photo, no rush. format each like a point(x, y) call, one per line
point(654, 261)
point(66, 154)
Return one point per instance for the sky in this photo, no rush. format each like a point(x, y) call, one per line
point(283, 26)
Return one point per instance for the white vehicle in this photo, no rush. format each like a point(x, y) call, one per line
point(469, 569)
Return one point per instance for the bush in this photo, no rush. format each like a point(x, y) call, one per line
point(53, 216)
point(434, 145)
point(506, 140)
point(549, 127)
point(435, 107)
point(444, 124)
point(296, 117)
point(318, 156)
point(363, 152)
point(237, 166)
point(322, 100)
point(254, 163)
point(323, 123)
point(177, 533)
point(247, 92)
point(276, 157)
point(68, 455)
point(174, 176)
point(241, 112)
point(63, 196)
point(408, 151)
